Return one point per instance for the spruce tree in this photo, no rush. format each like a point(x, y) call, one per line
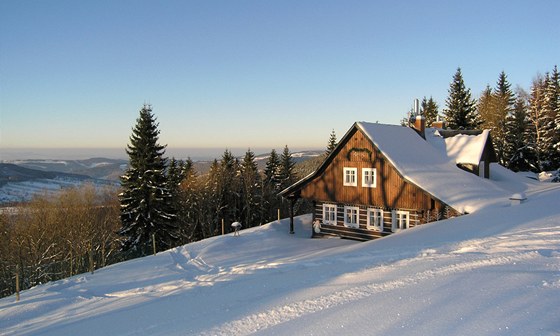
point(494, 108)
point(551, 106)
point(271, 169)
point(190, 204)
point(270, 198)
point(504, 102)
point(332, 143)
point(460, 111)
point(211, 202)
point(485, 107)
point(429, 109)
point(541, 123)
point(229, 188)
point(286, 169)
point(252, 190)
point(147, 209)
point(519, 147)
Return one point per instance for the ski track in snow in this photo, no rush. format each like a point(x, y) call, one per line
point(258, 322)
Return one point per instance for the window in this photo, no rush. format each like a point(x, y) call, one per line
point(369, 177)
point(400, 220)
point(350, 177)
point(375, 219)
point(329, 214)
point(351, 216)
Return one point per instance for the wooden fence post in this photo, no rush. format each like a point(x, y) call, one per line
point(91, 258)
point(278, 214)
point(17, 282)
point(154, 242)
point(223, 227)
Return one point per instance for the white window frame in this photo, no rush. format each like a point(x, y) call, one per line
point(331, 220)
point(401, 220)
point(350, 177)
point(375, 219)
point(370, 182)
point(352, 216)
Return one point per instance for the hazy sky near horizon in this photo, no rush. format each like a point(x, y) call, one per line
point(227, 74)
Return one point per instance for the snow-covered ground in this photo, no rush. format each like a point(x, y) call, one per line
point(493, 272)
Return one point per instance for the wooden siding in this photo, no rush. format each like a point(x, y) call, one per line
point(392, 191)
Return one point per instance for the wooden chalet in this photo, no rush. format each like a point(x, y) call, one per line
point(381, 179)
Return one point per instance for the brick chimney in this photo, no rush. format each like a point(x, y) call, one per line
point(439, 123)
point(420, 125)
point(419, 122)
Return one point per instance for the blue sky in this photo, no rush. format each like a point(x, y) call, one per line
point(259, 74)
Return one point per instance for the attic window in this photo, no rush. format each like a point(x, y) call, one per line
point(350, 177)
point(369, 177)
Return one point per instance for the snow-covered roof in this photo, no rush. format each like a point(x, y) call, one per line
point(423, 164)
point(461, 148)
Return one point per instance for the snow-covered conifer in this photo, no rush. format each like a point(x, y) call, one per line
point(147, 209)
point(332, 142)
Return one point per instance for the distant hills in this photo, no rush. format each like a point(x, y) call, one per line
point(20, 180)
point(19, 183)
point(98, 168)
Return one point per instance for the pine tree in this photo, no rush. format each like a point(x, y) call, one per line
point(332, 142)
point(460, 111)
point(429, 109)
point(146, 206)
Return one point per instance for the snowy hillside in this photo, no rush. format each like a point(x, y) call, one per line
point(19, 183)
point(493, 272)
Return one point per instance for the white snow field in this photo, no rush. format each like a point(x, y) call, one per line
point(493, 272)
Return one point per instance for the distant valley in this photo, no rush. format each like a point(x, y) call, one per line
point(20, 180)
point(19, 183)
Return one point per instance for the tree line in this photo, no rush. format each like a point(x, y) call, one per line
point(525, 126)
